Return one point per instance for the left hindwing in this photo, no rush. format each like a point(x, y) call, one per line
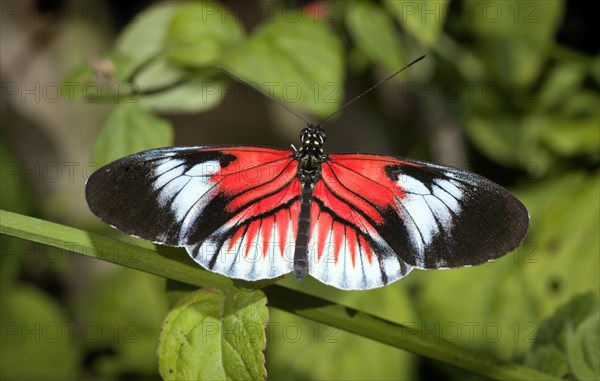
point(399, 214)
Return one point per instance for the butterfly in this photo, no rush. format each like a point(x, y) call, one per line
point(354, 221)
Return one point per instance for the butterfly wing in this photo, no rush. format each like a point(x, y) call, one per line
point(235, 209)
point(376, 217)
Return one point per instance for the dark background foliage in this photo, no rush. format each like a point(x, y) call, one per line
point(511, 95)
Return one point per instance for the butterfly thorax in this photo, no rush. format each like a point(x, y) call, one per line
point(311, 155)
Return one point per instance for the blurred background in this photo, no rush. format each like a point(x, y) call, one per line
point(509, 90)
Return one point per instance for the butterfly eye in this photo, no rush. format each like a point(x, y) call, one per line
point(323, 134)
point(303, 132)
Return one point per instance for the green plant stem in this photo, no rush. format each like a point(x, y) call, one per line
point(311, 307)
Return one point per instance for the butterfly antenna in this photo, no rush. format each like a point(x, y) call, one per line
point(370, 89)
point(273, 99)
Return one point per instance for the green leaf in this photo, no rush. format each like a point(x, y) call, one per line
point(297, 62)
point(37, 337)
point(501, 138)
point(374, 33)
point(563, 82)
point(193, 92)
point(572, 127)
point(568, 341)
point(562, 247)
point(180, 90)
point(515, 36)
point(549, 358)
point(559, 328)
point(534, 22)
point(571, 137)
point(200, 33)
point(584, 349)
point(144, 37)
point(130, 129)
point(213, 335)
point(581, 104)
point(423, 20)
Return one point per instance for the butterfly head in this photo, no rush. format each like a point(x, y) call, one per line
point(313, 139)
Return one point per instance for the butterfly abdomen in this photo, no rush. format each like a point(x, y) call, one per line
point(303, 235)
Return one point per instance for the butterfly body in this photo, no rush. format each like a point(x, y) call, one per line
point(310, 158)
point(354, 221)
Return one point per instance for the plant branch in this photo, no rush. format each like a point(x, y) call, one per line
point(311, 307)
